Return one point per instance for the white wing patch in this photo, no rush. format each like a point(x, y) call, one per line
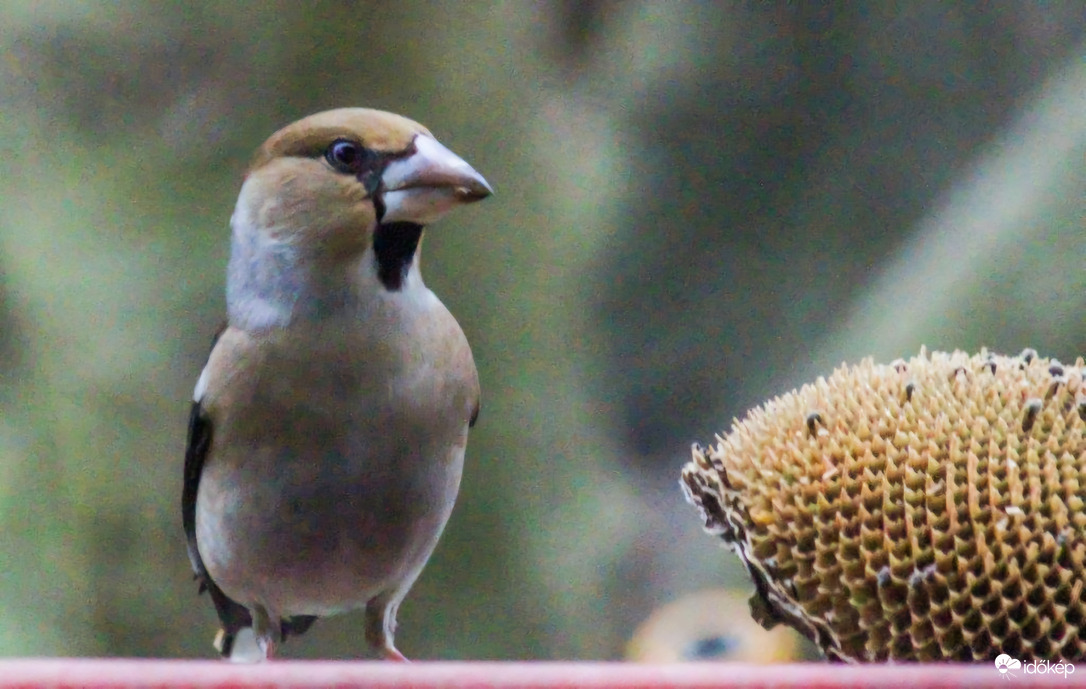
point(201, 386)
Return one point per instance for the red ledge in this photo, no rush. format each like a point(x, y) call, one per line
point(189, 673)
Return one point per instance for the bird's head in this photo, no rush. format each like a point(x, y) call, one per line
point(340, 173)
point(337, 185)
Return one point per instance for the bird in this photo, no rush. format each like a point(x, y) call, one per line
point(711, 625)
point(328, 427)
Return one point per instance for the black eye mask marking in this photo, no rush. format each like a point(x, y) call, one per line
point(394, 244)
point(352, 158)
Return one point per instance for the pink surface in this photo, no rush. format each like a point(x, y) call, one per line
point(186, 673)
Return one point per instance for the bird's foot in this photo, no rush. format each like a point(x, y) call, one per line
point(267, 647)
point(392, 653)
point(268, 631)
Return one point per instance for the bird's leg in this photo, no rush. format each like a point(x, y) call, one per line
point(381, 627)
point(267, 646)
point(268, 632)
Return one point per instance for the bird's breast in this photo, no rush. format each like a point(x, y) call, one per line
point(336, 457)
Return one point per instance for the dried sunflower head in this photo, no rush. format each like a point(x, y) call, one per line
point(923, 510)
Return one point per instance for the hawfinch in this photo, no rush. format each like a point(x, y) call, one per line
point(328, 428)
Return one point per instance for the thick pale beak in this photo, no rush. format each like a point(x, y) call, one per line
point(427, 184)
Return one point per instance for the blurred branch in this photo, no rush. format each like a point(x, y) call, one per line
point(1006, 242)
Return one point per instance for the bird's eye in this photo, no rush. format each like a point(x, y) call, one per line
point(346, 156)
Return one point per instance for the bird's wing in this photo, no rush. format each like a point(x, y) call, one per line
point(232, 615)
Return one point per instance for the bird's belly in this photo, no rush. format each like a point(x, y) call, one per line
point(314, 518)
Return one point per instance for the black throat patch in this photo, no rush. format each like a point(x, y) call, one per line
point(394, 246)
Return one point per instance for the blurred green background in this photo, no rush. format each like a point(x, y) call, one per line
point(699, 205)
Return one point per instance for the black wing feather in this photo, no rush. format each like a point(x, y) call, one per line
point(232, 615)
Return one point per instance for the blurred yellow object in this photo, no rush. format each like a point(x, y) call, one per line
point(712, 625)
